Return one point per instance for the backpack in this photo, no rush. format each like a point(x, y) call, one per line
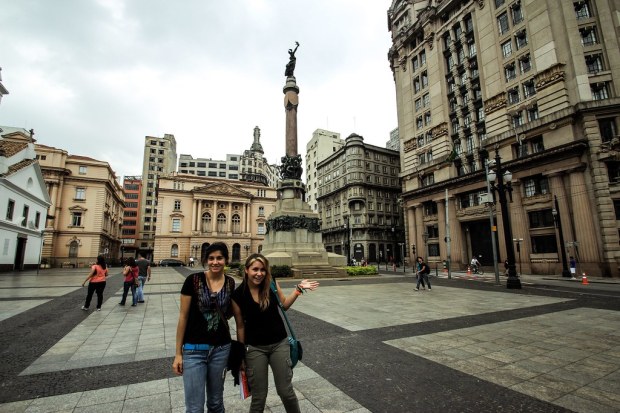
point(427, 269)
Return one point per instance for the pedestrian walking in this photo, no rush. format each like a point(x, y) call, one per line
point(264, 333)
point(97, 277)
point(130, 272)
point(203, 339)
point(573, 266)
point(144, 275)
point(422, 273)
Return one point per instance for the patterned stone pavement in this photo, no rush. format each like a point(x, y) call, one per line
point(371, 344)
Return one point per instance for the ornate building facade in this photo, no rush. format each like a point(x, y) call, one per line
point(194, 212)
point(539, 85)
point(86, 214)
point(358, 197)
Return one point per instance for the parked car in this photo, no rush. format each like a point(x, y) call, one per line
point(171, 262)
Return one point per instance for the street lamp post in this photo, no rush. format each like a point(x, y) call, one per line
point(247, 249)
point(425, 239)
point(518, 241)
point(558, 223)
point(402, 255)
point(513, 281)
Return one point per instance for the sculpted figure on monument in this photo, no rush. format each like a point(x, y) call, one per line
point(290, 66)
point(291, 167)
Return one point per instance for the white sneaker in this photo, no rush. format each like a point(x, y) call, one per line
point(84, 308)
point(99, 309)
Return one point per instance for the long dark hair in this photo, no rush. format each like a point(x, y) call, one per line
point(131, 261)
point(101, 261)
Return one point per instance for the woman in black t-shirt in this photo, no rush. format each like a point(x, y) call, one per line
point(265, 334)
point(203, 338)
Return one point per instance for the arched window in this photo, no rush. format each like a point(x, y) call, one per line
point(73, 249)
point(174, 251)
point(206, 222)
point(236, 222)
point(221, 223)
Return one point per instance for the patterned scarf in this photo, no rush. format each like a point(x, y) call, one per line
point(207, 301)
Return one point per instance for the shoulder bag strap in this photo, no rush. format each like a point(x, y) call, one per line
point(281, 307)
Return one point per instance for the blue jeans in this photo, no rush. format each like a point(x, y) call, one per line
point(205, 370)
point(140, 289)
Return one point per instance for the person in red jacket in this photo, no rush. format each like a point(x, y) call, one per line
point(130, 272)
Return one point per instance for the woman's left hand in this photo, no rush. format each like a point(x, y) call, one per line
point(309, 284)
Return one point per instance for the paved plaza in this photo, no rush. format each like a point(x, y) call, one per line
point(370, 345)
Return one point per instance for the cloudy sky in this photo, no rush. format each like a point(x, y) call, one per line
point(94, 77)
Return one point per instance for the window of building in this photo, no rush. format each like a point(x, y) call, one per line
point(177, 205)
point(427, 118)
point(544, 244)
point(607, 128)
point(529, 89)
point(542, 218)
point(427, 100)
point(594, 63)
point(416, 85)
point(76, 219)
point(536, 185)
point(82, 170)
point(517, 13)
point(236, 224)
point(25, 213)
point(424, 79)
point(73, 249)
point(10, 209)
point(588, 36)
point(507, 48)
point(582, 10)
point(415, 63)
point(502, 23)
point(418, 104)
point(525, 63)
point(428, 179)
point(513, 95)
point(599, 91)
point(221, 223)
point(174, 251)
point(532, 113)
point(80, 194)
point(471, 48)
point(261, 211)
point(419, 123)
point(510, 71)
point(176, 224)
point(499, 3)
point(261, 228)
point(521, 39)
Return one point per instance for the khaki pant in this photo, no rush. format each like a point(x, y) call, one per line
point(257, 360)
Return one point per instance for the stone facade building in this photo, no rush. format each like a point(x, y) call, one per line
point(132, 189)
point(86, 214)
point(194, 212)
point(358, 197)
point(537, 83)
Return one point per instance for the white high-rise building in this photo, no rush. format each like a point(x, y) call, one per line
point(323, 144)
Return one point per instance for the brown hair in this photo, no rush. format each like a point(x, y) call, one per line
point(263, 291)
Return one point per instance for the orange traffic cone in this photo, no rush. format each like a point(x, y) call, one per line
point(584, 279)
point(469, 270)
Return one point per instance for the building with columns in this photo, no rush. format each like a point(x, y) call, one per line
point(194, 212)
point(358, 197)
point(539, 86)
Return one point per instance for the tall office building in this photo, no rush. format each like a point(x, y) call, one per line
point(358, 202)
point(534, 82)
point(323, 144)
point(394, 142)
point(132, 189)
point(160, 157)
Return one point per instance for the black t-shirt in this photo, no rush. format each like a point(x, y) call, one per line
point(261, 327)
point(204, 323)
